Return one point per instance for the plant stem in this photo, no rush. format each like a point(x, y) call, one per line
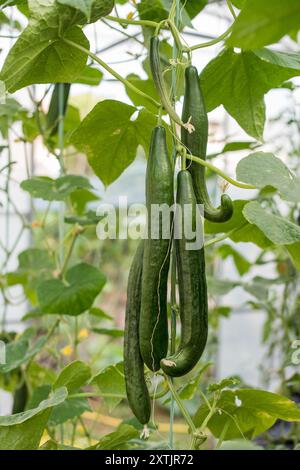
point(76, 233)
point(231, 9)
point(150, 24)
point(213, 41)
point(222, 436)
point(113, 72)
point(95, 395)
point(181, 406)
point(213, 241)
point(219, 172)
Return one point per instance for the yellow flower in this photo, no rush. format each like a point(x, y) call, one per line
point(83, 333)
point(67, 350)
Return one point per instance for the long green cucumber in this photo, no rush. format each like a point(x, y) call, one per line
point(159, 193)
point(136, 388)
point(196, 144)
point(52, 117)
point(192, 290)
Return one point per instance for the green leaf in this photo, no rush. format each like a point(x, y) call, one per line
point(247, 412)
point(219, 287)
point(38, 374)
point(99, 313)
point(246, 233)
point(112, 150)
point(19, 352)
point(83, 283)
point(48, 189)
point(236, 146)
point(90, 218)
point(146, 86)
point(2, 92)
point(223, 384)
point(80, 199)
point(41, 55)
point(23, 431)
point(294, 252)
point(264, 22)
point(158, 10)
point(279, 230)
point(92, 9)
point(239, 82)
point(289, 60)
point(264, 169)
point(187, 392)
point(89, 76)
point(114, 333)
point(238, 3)
point(69, 409)
point(111, 384)
point(30, 128)
point(241, 263)
point(73, 376)
point(53, 445)
point(117, 440)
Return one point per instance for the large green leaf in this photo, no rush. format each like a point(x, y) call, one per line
point(111, 384)
point(83, 283)
point(93, 10)
point(73, 376)
point(263, 22)
point(277, 229)
point(49, 189)
point(109, 136)
point(23, 431)
point(41, 55)
point(290, 60)
point(264, 169)
point(243, 231)
point(247, 412)
point(239, 82)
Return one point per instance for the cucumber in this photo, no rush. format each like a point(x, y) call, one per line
point(52, 117)
point(196, 144)
point(159, 190)
point(192, 292)
point(136, 388)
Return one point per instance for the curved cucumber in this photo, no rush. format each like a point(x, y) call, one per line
point(136, 388)
point(192, 291)
point(196, 144)
point(159, 194)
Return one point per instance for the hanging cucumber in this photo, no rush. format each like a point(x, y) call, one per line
point(52, 117)
point(192, 290)
point(159, 191)
point(136, 388)
point(196, 144)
